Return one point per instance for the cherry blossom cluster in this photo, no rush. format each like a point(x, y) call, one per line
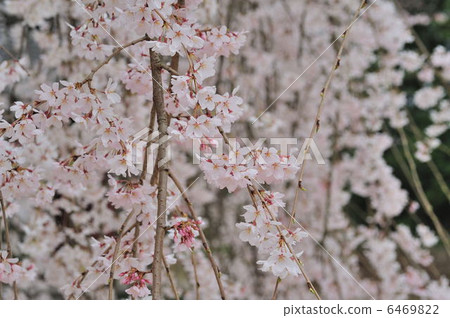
point(127, 195)
point(261, 229)
point(135, 278)
point(11, 72)
point(88, 38)
point(211, 110)
point(183, 231)
point(12, 271)
point(242, 165)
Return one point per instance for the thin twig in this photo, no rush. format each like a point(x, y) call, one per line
point(430, 163)
point(334, 159)
point(421, 193)
point(84, 274)
point(115, 255)
point(323, 94)
point(197, 283)
point(14, 59)
point(439, 178)
point(169, 275)
point(168, 69)
point(275, 291)
point(7, 239)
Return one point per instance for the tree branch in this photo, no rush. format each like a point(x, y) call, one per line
point(158, 104)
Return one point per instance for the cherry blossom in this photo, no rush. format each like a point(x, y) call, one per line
point(84, 214)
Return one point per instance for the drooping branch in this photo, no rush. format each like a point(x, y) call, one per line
point(116, 255)
point(214, 265)
point(443, 234)
point(323, 94)
point(254, 190)
point(430, 163)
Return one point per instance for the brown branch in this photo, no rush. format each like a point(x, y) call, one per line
point(158, 103)
point(275, 290)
